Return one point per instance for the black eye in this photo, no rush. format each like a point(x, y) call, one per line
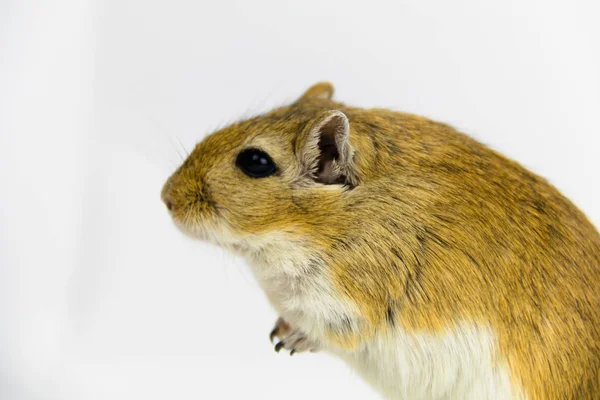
point(255, 163)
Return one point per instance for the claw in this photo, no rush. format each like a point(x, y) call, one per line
point(273, 334)
point(278, 346)
point(292, 352)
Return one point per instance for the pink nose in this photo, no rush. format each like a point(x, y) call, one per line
point(166, 199)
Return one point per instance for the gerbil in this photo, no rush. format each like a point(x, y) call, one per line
point(434, 266)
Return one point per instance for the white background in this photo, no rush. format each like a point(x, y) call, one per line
point(100, 296)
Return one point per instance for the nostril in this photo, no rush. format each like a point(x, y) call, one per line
point(167, 200)
point(165, 194)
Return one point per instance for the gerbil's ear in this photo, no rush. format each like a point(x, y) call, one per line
point(324, 150)
point(321, 90)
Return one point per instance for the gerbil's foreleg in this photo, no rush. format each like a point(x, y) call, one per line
point(292, 339)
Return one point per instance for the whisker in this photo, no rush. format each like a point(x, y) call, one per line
point(182, 146)
point(159, 127)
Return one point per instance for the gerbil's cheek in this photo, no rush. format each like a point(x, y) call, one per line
point(251, 210)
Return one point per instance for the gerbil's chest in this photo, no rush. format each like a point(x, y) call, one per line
point(286, 277)
point(298, 287)
point(458, 364)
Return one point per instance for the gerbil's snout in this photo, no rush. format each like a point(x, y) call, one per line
point(186, 196)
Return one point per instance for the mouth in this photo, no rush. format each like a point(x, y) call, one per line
point(208, 230)
point(192, 231)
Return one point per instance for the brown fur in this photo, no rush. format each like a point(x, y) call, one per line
point(434, 228)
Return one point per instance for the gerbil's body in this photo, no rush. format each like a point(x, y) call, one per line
point(434, 266)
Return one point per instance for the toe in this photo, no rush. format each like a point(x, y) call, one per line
point(280, 330)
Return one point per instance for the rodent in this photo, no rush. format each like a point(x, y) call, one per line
point(433, 265)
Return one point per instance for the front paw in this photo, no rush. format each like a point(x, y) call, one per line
point(292, 339)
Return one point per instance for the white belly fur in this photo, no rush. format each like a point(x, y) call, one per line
point(459, 364)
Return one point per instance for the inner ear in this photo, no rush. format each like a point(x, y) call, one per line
point(329, 153)
point(325, 150)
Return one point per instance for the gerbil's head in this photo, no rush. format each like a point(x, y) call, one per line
point(274, 177)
